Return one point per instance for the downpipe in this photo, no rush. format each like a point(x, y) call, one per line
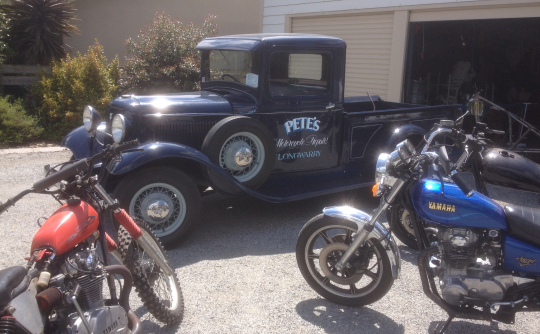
point(430, 290)
point(134, 321)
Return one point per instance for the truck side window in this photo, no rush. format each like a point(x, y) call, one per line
point(299, 74)
point(228, 65)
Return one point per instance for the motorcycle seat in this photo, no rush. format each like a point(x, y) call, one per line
point(524, 222)
point(10, 284)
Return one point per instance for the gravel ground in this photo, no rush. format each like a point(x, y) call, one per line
point(238, 269)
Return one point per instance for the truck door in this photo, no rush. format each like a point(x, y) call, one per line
point(300, 109)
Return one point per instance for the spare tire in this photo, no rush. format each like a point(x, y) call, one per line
point(243, 147)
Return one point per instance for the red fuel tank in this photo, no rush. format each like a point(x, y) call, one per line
point(68, 226)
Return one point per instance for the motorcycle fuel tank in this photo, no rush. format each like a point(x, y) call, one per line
point(67, 227)
point(508, 169)
point(454, 208)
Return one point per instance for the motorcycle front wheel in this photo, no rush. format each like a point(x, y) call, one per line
point(320, 245)
point(160, 293)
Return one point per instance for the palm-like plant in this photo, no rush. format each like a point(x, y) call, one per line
point(37, 29)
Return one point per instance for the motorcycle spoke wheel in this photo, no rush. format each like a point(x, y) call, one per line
point(322, 242)
point(160, 293)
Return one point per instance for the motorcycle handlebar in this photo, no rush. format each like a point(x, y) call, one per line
point(62, 174)
point(80, 166)
point(118, 148)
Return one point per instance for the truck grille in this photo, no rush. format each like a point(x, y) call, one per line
point(190, 133)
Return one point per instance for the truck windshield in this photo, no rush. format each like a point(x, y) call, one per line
point(236, 66)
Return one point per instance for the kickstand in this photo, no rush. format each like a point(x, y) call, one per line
point(445, 326)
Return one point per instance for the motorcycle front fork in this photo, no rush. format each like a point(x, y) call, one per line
point(363, 233)
point(136, 233)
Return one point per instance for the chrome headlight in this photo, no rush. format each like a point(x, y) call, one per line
point(380, 168)
point(402, 154)
point(118, 128)
point(91, 118)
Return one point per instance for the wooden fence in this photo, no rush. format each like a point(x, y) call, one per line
point(19, 75)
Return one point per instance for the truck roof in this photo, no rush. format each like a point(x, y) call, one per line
point(250, 42)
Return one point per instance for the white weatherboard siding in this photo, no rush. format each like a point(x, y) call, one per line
point(369, 44)
point(376, 31)
point(275, 11)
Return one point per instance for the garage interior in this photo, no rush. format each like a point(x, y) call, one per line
point(448, 61)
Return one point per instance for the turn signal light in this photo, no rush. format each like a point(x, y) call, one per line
point(374, 189)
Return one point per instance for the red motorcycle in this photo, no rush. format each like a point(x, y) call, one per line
point(61, 287)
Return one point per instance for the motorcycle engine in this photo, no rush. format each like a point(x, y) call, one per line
point(82, 268)
point(106, 320)
point(469, 266)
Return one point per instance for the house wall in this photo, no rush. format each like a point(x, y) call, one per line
point(331, 17)
point(113, 21)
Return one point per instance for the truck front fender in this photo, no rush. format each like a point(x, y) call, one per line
point(218, 178)
point(82, 144)
point(403, 132)
point(360, 218)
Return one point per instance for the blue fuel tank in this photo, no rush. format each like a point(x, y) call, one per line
point(454, 208)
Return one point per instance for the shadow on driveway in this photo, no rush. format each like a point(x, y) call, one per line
point(338, 319)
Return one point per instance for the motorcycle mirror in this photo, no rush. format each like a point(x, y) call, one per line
point(476, 107)
point(444, 161)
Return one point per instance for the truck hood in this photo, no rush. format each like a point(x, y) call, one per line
point(194, 103)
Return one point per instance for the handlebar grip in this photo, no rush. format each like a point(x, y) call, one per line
point(462, 184)
point(496, 132)
point(63, 174)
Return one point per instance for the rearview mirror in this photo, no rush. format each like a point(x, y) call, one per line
point(476, 107)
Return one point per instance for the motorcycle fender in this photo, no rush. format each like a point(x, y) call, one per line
point(27, 311)
point(361, 218)
point(82, 144)
point(218, 178)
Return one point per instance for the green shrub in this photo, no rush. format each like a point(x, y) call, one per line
point(164, 58)
point(16, 127)
point(59, 97)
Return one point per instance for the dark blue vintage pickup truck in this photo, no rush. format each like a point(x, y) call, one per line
point(271, 121)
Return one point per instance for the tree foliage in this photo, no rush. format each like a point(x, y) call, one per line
point(37, 29)
point(59, 97)
point(163, 58)
point(16, 127)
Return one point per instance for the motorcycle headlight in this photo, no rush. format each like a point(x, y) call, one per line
point(380, 169)
point(91, 118)
point(118, 128)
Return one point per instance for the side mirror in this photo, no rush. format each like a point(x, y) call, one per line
point(444, 161)
point(476, 107)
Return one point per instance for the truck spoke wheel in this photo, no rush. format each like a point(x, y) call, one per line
point(165, 198)
point(243, 147)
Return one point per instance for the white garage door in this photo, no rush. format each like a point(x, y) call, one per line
point(369, 43)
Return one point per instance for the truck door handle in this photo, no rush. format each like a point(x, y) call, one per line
point(330, 106)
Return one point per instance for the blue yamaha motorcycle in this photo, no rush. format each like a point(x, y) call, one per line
point(482, 264)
